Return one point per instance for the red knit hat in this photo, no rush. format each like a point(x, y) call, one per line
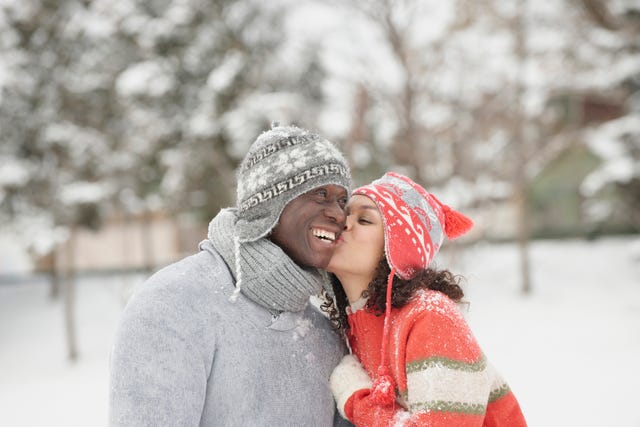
point(415, 224)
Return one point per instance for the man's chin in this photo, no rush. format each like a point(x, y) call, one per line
point(318, 257)
point(321, 263)
point(312, 262)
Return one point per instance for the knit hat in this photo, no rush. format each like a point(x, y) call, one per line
point(415, 224)
point(282, 164)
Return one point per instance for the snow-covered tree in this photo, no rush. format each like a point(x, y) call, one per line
point(458, 94)
point(206, 79)
point(135, 106)
point(612, 191)
point(150, 104)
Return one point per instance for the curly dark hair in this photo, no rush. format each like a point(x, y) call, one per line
point(438, 280)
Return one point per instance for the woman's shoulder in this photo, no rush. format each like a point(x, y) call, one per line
point(432, 316)
point(429, 303)
point(431, 300)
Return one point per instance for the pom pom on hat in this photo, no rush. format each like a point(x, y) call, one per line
point(455, 223)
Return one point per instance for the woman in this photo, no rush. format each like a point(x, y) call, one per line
point(410, 337)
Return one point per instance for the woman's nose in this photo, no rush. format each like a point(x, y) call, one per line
point(348, 223)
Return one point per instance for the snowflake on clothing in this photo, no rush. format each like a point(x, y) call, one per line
point(288, 162)
point(257, 178)
point(329, 153)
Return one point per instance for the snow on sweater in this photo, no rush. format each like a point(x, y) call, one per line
point(442, 376)
point(186, 356)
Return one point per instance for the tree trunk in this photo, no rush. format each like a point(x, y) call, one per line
point(69, 298)
point(520, 139)
point(54, 277)
point(523, 236)
point(147, 242)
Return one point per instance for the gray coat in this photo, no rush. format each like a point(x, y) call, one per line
point(184, 355)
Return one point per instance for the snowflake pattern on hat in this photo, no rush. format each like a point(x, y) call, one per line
point(414, 222)
point(282, 164)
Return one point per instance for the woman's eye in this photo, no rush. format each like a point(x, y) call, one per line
point(364, 221)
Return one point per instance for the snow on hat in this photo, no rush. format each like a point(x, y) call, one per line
point(282, 164)
point(415, 224)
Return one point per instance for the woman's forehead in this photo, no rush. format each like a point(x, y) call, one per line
point(360, 201)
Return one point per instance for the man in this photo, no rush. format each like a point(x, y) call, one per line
point(226, 337)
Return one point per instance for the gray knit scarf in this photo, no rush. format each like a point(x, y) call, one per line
point(263, 272)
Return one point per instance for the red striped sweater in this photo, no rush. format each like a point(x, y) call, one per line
point(442, 377)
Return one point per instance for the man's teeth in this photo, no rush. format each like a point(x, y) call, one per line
point(323, 234)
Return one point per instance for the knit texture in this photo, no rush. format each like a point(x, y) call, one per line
point(185, 356)
point(270, 278)
point(282, 164)
point(415, 222)
point(442, 376)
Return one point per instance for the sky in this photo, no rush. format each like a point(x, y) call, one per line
point(569, 350)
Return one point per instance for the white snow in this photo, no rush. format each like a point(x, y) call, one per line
point(13, 260)
point(608, 142)
point(222, 77)
point(145, 78)
point(569, 350)
point(14, 173)
point(84, 192)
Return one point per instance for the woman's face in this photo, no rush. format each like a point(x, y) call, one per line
point(361, 245)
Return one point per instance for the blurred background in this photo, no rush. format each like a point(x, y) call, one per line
point(122, 122)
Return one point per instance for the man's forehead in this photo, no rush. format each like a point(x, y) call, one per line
point(329, 187)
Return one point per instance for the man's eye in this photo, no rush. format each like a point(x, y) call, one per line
point(343, 202)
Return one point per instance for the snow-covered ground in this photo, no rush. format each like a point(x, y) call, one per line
point(569, 350)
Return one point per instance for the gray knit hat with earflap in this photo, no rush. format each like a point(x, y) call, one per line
point(282, 164)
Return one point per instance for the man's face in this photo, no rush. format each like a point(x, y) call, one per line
point(310, 225)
